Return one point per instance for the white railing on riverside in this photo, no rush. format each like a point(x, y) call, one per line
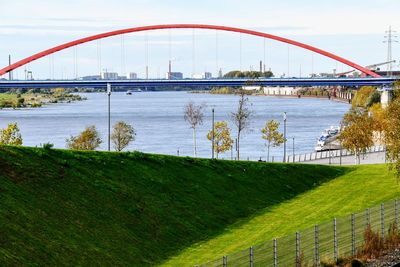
point(329, 154)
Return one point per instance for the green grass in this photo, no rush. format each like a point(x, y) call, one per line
point(359, 188)
point(65, 208)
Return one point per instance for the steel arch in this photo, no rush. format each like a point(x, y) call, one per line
point(184, 26)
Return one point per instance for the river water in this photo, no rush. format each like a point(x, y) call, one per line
point(158, 120)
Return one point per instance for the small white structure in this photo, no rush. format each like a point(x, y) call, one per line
point(274, 90)
point(386, 96)
point(204, 75)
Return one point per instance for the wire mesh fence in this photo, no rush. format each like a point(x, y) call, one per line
point(329, 241)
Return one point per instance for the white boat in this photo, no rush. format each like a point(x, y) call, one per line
point(327, 139)
point(129, 92)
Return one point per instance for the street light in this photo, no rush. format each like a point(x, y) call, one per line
point(284, 136)
point(293, 149)
point(213, 135)
point(109, 114)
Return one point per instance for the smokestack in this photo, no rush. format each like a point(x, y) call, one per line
point(261, 66)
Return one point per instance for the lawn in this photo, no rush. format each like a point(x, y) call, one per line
point(360, 187)
point(66, 208)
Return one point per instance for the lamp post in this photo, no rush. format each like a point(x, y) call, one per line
point(293, 149)
point(213, 135)
point(284, 136)
point(109, 114)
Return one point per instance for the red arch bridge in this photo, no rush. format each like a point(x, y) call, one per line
point(371, 78)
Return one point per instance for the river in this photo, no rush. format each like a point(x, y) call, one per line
point(158, 120)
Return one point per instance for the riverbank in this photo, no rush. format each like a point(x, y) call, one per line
point(32, 99)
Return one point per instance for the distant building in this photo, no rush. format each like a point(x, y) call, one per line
point(109, 75)
point(91, 77)
point(131, 75)
point(204, 75)
point(174, 75)
point(121, 77)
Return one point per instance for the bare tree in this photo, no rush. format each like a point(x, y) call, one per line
point(122, 135)
point(241, 118)
point(194, 115)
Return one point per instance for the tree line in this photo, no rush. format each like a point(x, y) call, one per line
point(220, 133)
point(368, 123)
point(123, 133)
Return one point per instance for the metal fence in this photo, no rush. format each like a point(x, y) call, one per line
point(329, 154)
point(325, 242)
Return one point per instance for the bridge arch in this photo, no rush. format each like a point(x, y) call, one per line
point(184, 26)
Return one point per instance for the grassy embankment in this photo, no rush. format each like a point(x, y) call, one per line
point(68, 208)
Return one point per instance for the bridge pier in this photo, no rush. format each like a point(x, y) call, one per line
point(386, 96)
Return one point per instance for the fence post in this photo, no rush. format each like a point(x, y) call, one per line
point(335, 244)
point(383, 221)
point(251, 256)
point(316, 246)
point(396, 214)
point(297, 249)
point(224, 261)
point(353, 235)
point(368, 217)
point(275, 253)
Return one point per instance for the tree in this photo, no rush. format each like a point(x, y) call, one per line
point(357, 133)
point(241, 118)
point(392, 134)
point(271, 134)
point(122, 135)
point(87, 140)
point(363, 97)
point(11, 135)
point(378, 116)
point(194, 116)
point(222, 137)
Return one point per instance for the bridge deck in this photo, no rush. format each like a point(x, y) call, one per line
point(5, 84)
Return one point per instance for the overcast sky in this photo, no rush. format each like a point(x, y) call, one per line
point(353, 29)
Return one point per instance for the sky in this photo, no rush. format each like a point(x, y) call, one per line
point(352, 29)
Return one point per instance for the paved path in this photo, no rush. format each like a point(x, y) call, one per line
point(370, 158)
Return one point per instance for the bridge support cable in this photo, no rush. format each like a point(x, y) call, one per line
point(146, 55)
point(75, 62)
point(240, 52)
point(52, 66)
point(123, 66)
point(288, 62)
point(264, 55)
point(216, 55)
point(312, 64)
point(52, 50)
point(193, 52)
point(99, 68)
point(49, 77)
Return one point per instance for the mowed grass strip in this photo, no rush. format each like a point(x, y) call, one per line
point(66, 208)
point(359, 188)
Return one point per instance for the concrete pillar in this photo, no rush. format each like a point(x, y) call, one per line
point(386, 97)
